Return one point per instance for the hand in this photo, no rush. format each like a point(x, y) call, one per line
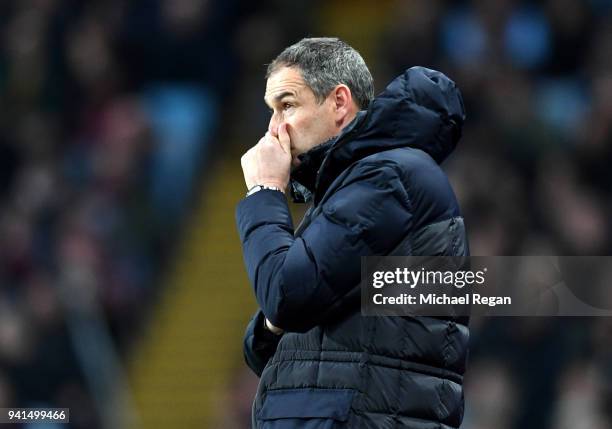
point(268, 163)
point(272, 328)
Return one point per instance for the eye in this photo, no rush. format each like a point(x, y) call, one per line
point(287, 106)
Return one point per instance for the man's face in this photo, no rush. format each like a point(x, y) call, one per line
point(309, 123)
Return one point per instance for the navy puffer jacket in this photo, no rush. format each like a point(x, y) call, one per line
point(376, 188)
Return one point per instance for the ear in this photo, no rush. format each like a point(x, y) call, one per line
point(342, 103)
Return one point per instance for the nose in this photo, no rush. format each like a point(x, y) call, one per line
point(273, 125)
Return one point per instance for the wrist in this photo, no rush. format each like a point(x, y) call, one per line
point(276, 185)
point(260, 187)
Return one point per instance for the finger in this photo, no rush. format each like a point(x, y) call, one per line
point(271, 143)
point(283, 138)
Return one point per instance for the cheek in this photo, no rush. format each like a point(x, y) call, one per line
point(305, 130)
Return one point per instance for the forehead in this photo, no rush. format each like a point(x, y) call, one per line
point(285, 81)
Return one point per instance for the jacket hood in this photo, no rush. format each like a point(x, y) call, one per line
point(422, 109)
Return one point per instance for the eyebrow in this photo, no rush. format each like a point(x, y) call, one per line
point(282, 95)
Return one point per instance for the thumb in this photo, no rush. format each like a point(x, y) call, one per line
point(283, 138)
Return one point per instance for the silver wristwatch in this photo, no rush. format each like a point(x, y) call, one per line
point(258, 188)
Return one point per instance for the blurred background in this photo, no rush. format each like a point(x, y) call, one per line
point(122, 290)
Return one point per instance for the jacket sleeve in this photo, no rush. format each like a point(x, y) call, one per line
point(259, 344)
point(296, 280)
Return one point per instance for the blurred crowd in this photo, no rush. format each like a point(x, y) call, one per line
point(111, 111)
point(107, 111)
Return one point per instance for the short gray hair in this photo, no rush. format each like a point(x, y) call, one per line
point(326, 62)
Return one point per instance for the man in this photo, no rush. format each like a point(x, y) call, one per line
point(370, 167)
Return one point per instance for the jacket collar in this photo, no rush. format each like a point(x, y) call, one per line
point(304, 176)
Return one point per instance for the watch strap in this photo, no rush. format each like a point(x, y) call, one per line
point(258, 188)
